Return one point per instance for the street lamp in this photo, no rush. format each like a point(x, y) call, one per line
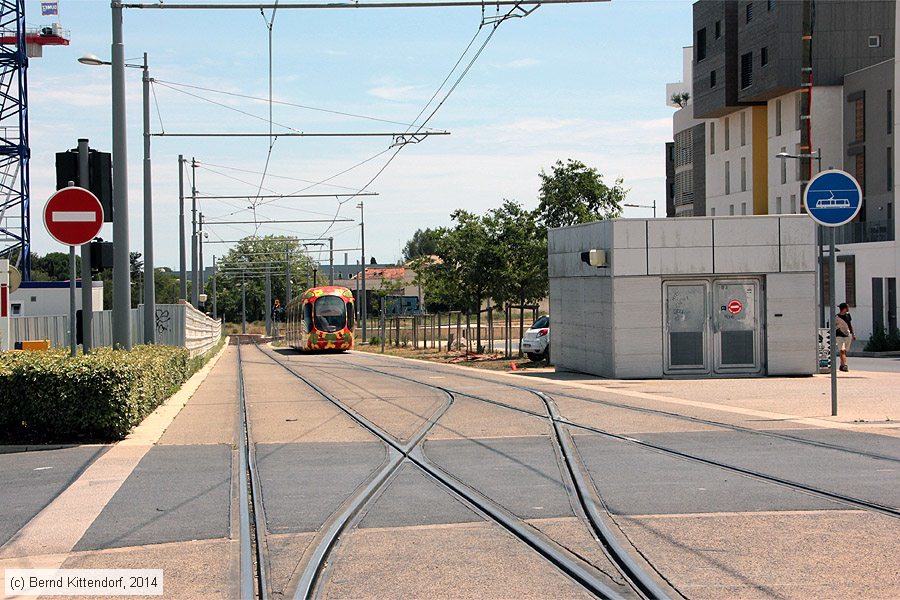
point(121, 275)
point(653, 206)
point(816, 155)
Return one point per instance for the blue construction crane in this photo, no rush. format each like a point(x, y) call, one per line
point(17, 44)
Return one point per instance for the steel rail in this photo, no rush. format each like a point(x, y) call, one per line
point(687, 418)
point(576, 568)
point(634, 574)
point(254, 582)
point(797, 486)
point(300, 5)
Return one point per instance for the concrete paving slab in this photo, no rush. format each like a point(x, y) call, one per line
point(283, 409)
point(521, 474)
point(191, 570)
point(862, 442)
point(303, 484)
point(29, 481)
point(176, 493)
point(817, 554)
point(853, 475)
point(473, 560)
point(209, 416)
point(623, 420)
point(573, 534)
point(469, 418)
point(635, 481)
point(414, 499)
point(285, 558)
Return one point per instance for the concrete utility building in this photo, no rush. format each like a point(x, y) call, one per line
point(685, 297)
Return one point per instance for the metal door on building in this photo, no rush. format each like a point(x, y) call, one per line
point(712, 326)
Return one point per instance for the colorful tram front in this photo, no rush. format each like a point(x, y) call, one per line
point(322, 318)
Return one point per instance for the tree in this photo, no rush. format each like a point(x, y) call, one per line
point(423, 243)
point(252, 256)
point(681, 99)
point(575, 193)
point(522, 244)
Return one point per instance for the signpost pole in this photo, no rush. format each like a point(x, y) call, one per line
point(87, 301)
point(832, 301)
point(73, 342)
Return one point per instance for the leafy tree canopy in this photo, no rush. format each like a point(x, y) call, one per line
point(575, 193)
point(424, 242)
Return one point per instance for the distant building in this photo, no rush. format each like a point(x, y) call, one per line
point(48, 298)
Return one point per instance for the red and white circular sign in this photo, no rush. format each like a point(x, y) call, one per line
point(735, 306)
point(73, 216)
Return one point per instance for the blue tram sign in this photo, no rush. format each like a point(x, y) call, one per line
point(833, 198)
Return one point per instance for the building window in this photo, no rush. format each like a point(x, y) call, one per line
point(718, 29)
point(712, 212)
point(743, 174)
point(778, 205)
point(701, 44)
point(769, 4)
point(793, 204)
point(749, 11)
point(712, 137)
point(727, 177)
point(850, 280)
point(798, 108)
point(764, 56)
point(743, 129)
point(778, 117)
point(743, 208)
point(784, 167)
point(890, 113)
point(874, 41)
point(672, 152)
point(746, 69)
point(731, 210)
point(860, 119)
point(861, 171)
point(727, 134)
point(712, 78)
point(890, 169)
point(798, 163)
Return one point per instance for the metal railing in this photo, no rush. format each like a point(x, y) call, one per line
point(864, 232)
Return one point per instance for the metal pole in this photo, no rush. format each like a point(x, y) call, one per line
point(200, 234)
point(362, 263)
point(182, 253)
point(287, 276)
point(215, 277)
point(87, 304)
point(820, 244)
point(149, 273)
point(268, 302)
point(331, 261)
point(195, 289)
point(73, 343)
point(832, 295)
point(121, 257)
point(243, 303)
point(383, 332)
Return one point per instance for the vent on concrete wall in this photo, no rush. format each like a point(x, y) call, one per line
point(874, 41)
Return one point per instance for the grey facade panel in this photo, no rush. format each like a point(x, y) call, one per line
point(670, 179)
point(871, 86)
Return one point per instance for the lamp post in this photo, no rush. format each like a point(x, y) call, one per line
point(820, 234)
point(121, 269)
point(362, 264)
point(653, 206)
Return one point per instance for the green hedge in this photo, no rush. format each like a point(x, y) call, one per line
point(48, 396)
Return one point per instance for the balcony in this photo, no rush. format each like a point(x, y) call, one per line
point(865, 231)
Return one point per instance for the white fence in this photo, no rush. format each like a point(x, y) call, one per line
point(176, 325)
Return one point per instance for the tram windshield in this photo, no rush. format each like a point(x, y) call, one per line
point(331, 314)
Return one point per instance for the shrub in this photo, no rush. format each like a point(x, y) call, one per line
point(881, 341)
point(49, 396)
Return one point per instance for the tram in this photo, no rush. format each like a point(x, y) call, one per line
point(321, 319)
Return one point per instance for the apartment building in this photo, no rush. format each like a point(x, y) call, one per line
point(685, 156)
point(745, 93)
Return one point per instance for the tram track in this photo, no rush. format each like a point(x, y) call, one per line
point(575, 567)
point(676, 416)
point(644, 585)
point(854, 502)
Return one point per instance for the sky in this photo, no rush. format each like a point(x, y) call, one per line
point(581, 81)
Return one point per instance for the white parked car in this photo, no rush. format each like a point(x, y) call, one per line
point(536, 343)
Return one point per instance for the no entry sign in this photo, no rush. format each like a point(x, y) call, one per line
point(73, 216)
point(735, 306)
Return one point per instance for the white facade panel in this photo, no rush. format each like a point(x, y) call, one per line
point(629, 261)
point(790, 324)
point(680, 261)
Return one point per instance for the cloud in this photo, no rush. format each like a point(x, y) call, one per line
point(519, 63)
